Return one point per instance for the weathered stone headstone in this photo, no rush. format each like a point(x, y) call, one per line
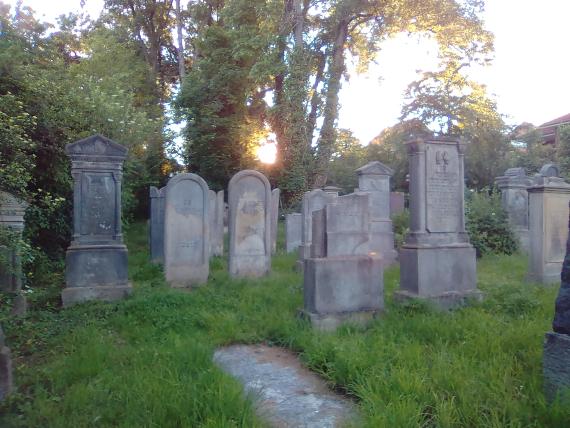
point(437, 262)
point(293, 226)
point(556, 359)
point(342, 281)
point(249, 196)
point(96, 260)
point(186, 231)
point(397, 203)
point(514, 199)
point(6, 381)
point(312, 201)
point(12, 212)
point(216, 223)
point(374, 178)
point(156, 229)
point(275, 194)
point(548, 214)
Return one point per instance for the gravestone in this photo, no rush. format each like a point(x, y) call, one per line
point(293, 225)
point(156, 230)
point(374, 178)
point(312, 201)
point(275, 194)
point(397, 203)
point(217, 223)
point(548, 214)
point(332, 190)
point(343, 281)
point(556, 358)
point(437, 263)
point(12, 212)
point(96, 260)
point(6, 381)
point(249, 197)
point(514, 199)
point(186, 231)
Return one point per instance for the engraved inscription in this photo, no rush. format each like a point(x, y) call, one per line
point(98, 207)
point(442, 190)
point(250, 224)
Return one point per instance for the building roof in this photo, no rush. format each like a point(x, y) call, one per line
point(548, 129)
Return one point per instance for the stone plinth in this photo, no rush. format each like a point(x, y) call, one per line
point(249, 224)
point(437, 263)
point(374, 178)
point(275, 194)
point(548, 231)
point(96, 260)
point(187, 231)
point(156, 224)
point(514, 199)
point(293, 226)
point(12, 212)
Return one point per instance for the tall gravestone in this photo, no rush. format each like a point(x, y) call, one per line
point(342, 279)
point(293, 224)
point(374, 178)
point(437, 263)
point(156, 231)
point(312, 201)
point(249, 227)
point(216, 223)
point(514, 199)
point(186, 231)
point(96, 260)
point(556, 358)
point(275, 194)
point(548, 214)
point(6, 381)
point(12, 212)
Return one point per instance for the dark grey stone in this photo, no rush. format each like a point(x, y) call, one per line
point(275, 194)
point(96, 260)
point(561, 322)
point(397, 202)
point(156, 227)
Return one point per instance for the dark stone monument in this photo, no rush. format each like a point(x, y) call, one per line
point(6, 382)
point(156, 229)
point(96, 260)
point(556, 361)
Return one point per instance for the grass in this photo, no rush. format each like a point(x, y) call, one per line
point(147, 361)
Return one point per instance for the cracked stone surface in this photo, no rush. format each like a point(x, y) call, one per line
point(285, 393)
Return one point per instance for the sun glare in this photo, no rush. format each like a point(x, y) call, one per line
point(267, 152)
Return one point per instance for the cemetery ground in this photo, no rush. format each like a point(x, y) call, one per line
point(147, 361)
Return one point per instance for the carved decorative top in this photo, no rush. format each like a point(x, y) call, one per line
point(155, 192)
point(550, 170)
point(11, 208)
point(515, 172)
point(375, 168)
point(96, 148)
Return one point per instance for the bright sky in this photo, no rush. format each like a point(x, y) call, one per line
point(529, 76)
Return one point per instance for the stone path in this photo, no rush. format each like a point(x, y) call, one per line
point(286, 394)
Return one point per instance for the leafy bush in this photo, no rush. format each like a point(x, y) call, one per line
point(401, 225)
point(487, 224)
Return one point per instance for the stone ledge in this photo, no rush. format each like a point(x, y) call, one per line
point(556, 366)
point(330, 322)
point(446, 301)
point(73, 295)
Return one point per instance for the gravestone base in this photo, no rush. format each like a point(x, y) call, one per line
point(445, 301)
point(523, 240)
point(446, 275)
point(550, 276)
point(188, 277)
point(330, 322)
point(342, 289)
point(250, 266)
point(105, 266)
point(556, 366)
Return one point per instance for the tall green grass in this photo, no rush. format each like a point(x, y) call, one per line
point(147, 361)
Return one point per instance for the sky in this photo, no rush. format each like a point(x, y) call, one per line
point(529, 77)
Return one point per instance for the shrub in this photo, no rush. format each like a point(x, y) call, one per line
point(401, 225)
point(487, 223)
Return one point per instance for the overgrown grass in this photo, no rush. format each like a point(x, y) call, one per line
point(147, 361)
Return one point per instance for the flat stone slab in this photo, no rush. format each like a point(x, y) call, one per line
point(286, 393)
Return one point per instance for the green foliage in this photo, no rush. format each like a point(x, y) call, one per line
point(563, 150)
point(487, 224)
point(348, 157)
point(401, 226)
point(152, 353)
point(534, 154)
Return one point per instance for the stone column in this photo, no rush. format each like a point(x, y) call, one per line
point(96, 261)
point(156, 229)
point(556, 359)
point(374, 179)
point(275, 194)
point(548, 214)
point(12, 212)
point(437, 262)
point(249, 195)
point(514, 199)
